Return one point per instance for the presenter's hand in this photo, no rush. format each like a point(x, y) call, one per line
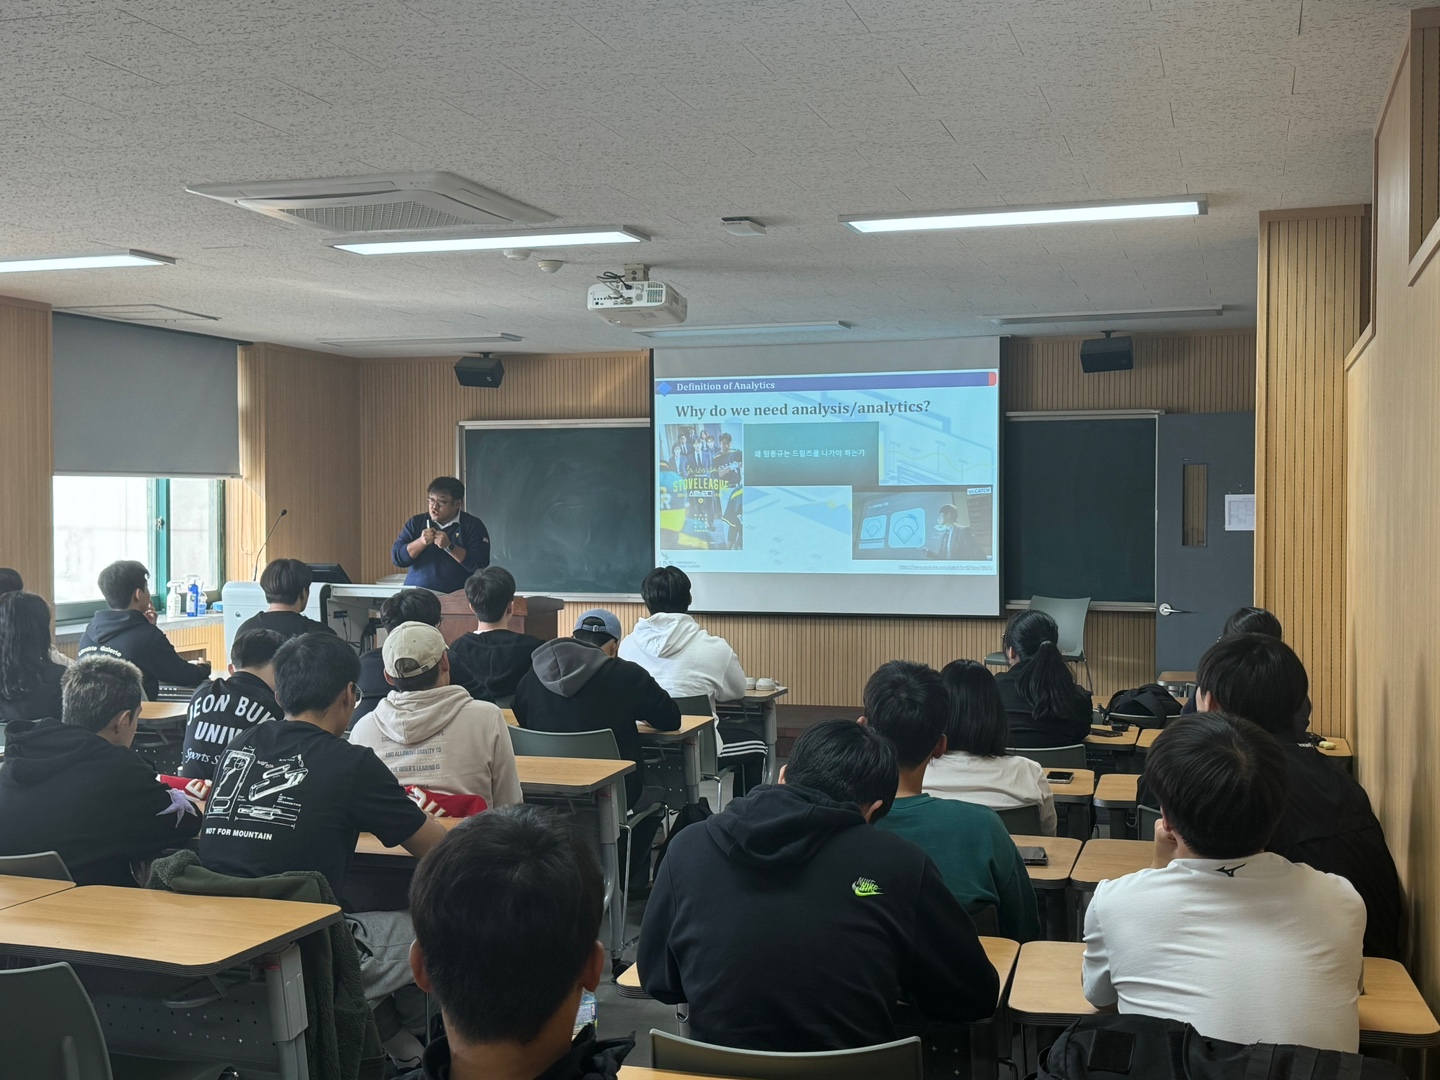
point(427, 537)
point(442, 539)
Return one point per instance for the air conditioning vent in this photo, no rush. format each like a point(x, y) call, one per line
point(140, 313)
point(401, 202)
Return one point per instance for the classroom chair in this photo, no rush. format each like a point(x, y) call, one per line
point(900, 1060)
point(1146, 818)
point(599, 745)
point(1069, 614)
point(1021, 820)
point(1053, 757)
point(46, 865)
point(51, 1030)
point(710, 767)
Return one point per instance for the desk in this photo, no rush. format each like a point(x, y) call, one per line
point(21, 890)
point(1050, 881)
point(1118, 793)
point(163, 711)
point(1105, 739)
point(759, 704)
point(600, 780)
point(1147, 739)
point(369, 843)
point(1101, 860)
point(161, 933)
point(688, 735)
point(1072, 802)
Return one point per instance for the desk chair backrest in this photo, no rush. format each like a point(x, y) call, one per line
point(699, 705)
point(1053, 757)
point(50, 1027)
point(46, 865)
point(1069, 615)
point(894, 1061)
point(1146, 818)
point(1021, 820)
point(599, 744)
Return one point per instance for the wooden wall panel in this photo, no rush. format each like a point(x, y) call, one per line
point(1312, 298)
point(410, 409)
point(1392, 512)
point(26, 451)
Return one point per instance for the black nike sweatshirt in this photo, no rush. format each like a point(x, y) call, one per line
point(66, 789)
point(790, 924)
point(130, 636)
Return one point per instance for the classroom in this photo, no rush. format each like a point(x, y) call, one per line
point(1074, 354)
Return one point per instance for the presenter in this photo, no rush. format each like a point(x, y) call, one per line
point(445, 545)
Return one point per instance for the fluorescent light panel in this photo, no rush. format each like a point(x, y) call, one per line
point(1054, 214)
point(401, 244)
point(419, 342)
point(745, 328)
point(98, 261)
point(1021, 317)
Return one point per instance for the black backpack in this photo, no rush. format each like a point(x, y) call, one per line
point(1151, 701)
point(1155, 1048)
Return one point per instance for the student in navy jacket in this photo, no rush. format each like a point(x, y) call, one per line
point(443, 546)
point(126, 632)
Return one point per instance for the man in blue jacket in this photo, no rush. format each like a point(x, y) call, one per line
point(443, 546)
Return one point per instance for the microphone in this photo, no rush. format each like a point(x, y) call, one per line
point(255, 574)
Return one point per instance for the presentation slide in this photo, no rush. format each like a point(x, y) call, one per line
point(857, 478)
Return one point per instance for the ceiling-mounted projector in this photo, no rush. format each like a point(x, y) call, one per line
point(636, 303)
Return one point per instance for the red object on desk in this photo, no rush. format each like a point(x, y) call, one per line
point(455, 806)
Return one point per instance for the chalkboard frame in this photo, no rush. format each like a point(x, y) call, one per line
point(644, 422)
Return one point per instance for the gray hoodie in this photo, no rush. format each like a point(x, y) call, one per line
point(442, 739)
point(564, 666)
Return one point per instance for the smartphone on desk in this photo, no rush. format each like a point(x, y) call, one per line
point(1033, 856)
point(1060, 776)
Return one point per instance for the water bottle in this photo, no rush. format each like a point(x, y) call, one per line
point(192, 597)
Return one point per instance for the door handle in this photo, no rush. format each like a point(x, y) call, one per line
point(1166, 609)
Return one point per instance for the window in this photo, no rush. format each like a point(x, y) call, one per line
point(175, 527)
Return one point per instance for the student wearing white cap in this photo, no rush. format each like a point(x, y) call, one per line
point(432, 734)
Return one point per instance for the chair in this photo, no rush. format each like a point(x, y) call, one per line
point(1021, 820)
point(899, 1060)
point(599, 744)
point(1053, 757)
point(51, 1030)
point(1146, 818)
point(1069, 615)
point(710, 767)
point(46, 865)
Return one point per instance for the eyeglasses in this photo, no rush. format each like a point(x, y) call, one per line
point(359, 694)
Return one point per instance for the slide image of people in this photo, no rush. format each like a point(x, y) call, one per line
point(701, 469)
point(941, 524)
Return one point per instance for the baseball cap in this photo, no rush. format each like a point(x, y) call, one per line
point(411, 649)
point(599, 621)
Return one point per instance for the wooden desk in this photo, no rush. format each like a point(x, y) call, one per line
point(1177, 677)
point(1117, 791)
point(1073, 804)
point(21, 890)
point(1112, 740)
point(1340, 750)
point(641, 1072)
point(369, 843)
point(162, 711)
point(1147, 739)
point(759, 705)
point(688, 736)
point(1101, 860)
point(1078, 790)
point(1063, 851)
point(1392, 1012)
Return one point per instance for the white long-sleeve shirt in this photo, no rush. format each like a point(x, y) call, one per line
point(1000, 783)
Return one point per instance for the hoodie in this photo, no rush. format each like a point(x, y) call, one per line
point(589, 1058)
point(863, 916)
point(66, 789)
point(219, 711)
point(373, 685)
point(498, 658)
point(572, 686)
point(130, 636)
point(685, 659)
point(445, 740)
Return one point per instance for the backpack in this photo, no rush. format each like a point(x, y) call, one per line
point(1151, 701)
point(1155, 1048)
point(690, 814)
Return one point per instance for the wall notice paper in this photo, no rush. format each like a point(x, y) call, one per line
point(1239, 513)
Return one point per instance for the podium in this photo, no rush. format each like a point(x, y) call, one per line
point(534, 615)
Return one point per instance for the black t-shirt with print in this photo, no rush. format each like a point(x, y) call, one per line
point(220, 710)
point(291, 796)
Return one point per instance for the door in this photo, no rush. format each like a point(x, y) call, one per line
point(1203, 571)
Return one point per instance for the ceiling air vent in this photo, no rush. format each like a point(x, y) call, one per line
point(140, 313)
point(396, 202)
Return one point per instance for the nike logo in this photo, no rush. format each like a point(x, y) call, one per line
point(1228, 871)
point(865, 887)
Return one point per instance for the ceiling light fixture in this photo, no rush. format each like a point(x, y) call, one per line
point(420, 342)
point(98, 261)
point(1023, 317)
point(748, 329)
point(1052, 214)
point(415, 244)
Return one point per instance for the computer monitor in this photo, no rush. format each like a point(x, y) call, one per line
point(330, 572)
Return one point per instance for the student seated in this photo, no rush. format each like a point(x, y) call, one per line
point(579, 684)
point(434, 735)
point(977, 767)
point(73, 785)
point(1253, 620)
point(127, 631)
point(907, 703)
point(788, 923)
point(11, 581)
point(1327, 822)
point(1044, 705)
point(222, 708)
point(407, 605)
point(497, 655)
point(507, 908)
point(287, 590)
point(29, 679)
point(1222, 934)
point(689, 662)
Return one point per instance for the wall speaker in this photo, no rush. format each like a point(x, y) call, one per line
point(484, 370)
point(1106, 354)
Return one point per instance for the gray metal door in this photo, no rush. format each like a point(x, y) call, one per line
point(1203, 571)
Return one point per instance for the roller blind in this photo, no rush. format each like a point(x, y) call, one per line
point(142, 401)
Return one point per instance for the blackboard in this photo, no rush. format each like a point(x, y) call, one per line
point(1080, 509)
point(570, 508)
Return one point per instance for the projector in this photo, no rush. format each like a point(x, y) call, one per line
point(636, 303)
